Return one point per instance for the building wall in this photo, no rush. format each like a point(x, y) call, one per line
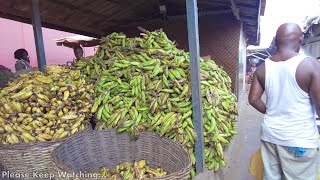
point(15, 35)
point(219, 38)
point(311, 47)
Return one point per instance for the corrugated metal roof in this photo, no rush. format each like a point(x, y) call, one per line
point(100, 17)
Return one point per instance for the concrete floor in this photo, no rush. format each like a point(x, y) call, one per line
point(243, 145)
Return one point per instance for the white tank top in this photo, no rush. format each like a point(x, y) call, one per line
point(290, 116)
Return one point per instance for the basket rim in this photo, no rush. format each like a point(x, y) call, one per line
point(23, 145)
point(187, 169)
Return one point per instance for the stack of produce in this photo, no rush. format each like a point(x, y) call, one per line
point(144, 84)
point(38, 107)
point(127, 170)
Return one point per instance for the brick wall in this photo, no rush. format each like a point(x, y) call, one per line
point(219, 38)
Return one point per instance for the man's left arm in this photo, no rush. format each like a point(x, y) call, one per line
point(256, 91)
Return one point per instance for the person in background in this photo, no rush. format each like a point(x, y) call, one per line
point(289, 133)
point(252, 70)
point(78, 52)
point(22, 59)
point(249, 76)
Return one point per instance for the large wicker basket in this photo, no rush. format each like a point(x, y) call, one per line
point(31, 159)
point(89, 152)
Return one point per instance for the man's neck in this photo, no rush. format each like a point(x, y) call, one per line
point(284, 54)
point(285, 50)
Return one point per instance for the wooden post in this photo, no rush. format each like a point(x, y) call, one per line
point(193, 37)
point(36, 22)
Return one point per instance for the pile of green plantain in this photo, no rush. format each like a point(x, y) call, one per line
point(143, 84)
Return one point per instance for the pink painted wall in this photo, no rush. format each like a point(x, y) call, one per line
point(15, 35)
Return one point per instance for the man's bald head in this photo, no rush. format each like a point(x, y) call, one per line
point(289, 36)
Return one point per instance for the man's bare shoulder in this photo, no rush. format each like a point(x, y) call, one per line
point(309, 64)
point(307, 70)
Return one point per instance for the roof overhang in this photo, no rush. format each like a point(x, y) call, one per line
point(101, 17)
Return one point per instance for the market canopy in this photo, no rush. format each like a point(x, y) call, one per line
point(101, 17)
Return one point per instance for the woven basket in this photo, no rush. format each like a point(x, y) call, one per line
point(31, 158)
point(89, 152)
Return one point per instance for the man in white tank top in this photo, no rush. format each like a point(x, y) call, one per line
point(289, 134)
